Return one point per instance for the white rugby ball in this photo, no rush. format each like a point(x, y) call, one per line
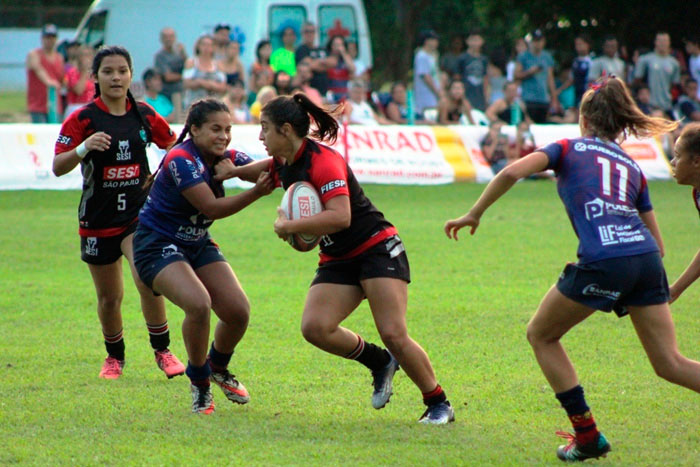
point(301, 200)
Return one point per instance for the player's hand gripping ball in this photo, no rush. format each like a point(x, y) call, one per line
point(301, 200)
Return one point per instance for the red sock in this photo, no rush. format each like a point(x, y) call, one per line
point(584, 427)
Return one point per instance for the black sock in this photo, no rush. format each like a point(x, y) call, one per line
point(115, 345)
point(373, 357)
point(159, 334)
point(436, 396)
point(198, 375)
point(217, 360)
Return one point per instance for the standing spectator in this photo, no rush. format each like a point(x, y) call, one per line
point(202, 77)
point(283, 58)
point(643, 99)
point(692, 47)
point(688, 106)
point(265, 95)
point(449, 61)
point(361, 68)
point(581, 66)
point(170, 63)
point(316, 57)
point(303, 82)
point(426, 80)
point(282, 83)
point(231, 65)
point(222, 37)
point(519, 47)
point(397, 108)
point(44, 71)
point(235, 100)
point(261, 73)
point(454, 104)
point(79, 83)
point(660, 71)
point(510, 109)
point(153, 85)
point(341, 68)
point(535, 68)
point(473, 71)
point(608, 63)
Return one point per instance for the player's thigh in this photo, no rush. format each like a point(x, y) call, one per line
point(328, 304)
point(388, 299)
point(127, 247)
point(109, 284)
point(555, 315)
point(178, 282)
point(656, 332)
point(227, 295)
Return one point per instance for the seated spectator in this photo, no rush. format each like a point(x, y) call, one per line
point(397, 109)
point(153, 85)
point(510, 109)
point(357, 109)
point(261, 73)
point(361, 69)
point(497, 82)
point(265, 95)
point(282, 59)
point(688, 106)
point(643, 99)
point(454, 104)
point(302, 81)
point(235, 100)
point(79, 83)
point(341, 68)
point(524, 141)
point(231, 65)
point(202, 77)
point(495, 147)
point(566, 111)
point(283, 83)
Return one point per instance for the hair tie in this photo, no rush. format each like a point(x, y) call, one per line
point(601, 82)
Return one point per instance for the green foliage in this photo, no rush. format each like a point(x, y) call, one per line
point(468, 307)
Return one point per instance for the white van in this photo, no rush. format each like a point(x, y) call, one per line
point(136, 24)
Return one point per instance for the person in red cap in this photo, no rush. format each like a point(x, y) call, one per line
point(44, 71)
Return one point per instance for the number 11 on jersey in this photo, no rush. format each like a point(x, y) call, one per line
point(606, 178)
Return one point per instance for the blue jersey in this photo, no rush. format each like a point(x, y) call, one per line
point(603, 191)
point(169, 213)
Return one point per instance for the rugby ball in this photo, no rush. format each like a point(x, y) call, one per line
point(301, 200)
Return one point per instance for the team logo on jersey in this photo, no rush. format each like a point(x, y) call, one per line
point(193, 170)
point(595, 208)
point(124, 153)
point(594, 289)
point(332, 185)
point(91, 246)
point(580, 147)
point(63, 139)
point(121, 172)
point(170, 250)
point(613, 234)
point(173, 171)
point(143, 136)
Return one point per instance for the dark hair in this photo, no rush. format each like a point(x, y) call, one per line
point(107, 51)
point(197, 115)
point(395, 85)
point(584, 37)
point(260, 45)
point(689, 140)
point(610, 110)
point(298, 111)
point(329, 44)
point(149, 73)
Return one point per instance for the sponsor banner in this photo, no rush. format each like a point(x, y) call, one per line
point(393, 154)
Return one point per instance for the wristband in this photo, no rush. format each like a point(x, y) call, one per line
point(82, 150)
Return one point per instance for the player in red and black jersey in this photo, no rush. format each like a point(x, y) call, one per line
point(108, 138)
point(686, 171)
point(361, 254)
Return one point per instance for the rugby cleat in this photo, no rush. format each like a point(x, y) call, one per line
point(438, 414)
point(382, 381)
point(575, 452)
point(169, 363)
point(112, 368)
point(233, 389)
point(202, 401)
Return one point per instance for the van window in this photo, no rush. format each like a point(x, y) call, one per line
point(337, 20)
point(283, 16)
point(93, 33)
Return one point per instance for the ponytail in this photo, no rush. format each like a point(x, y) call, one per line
point(610, 111)
point(299, 111)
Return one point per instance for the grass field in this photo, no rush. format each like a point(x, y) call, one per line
point(469, 304)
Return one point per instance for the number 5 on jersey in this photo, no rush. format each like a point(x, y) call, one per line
point(121, 202)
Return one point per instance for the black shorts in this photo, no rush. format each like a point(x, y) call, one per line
point(614, 284)
point(153, 252)
point(386, 259)
point(104, 250)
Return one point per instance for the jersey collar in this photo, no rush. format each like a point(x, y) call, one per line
point(101, 105)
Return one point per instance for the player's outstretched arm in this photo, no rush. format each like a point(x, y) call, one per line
point(202, 198)
point(249, 172)
point(501, 183)
point(649, 219)
point(690, 275)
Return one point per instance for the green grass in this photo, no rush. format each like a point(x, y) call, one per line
point(469, 304)
point(13, 107)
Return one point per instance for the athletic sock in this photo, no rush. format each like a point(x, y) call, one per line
point(159, 334)
point(198, 375)
point(218, 361)
point(115, 345)
point(580, 415)
point(436, 396)
point(373, 357)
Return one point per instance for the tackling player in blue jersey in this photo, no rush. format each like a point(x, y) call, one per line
point(619, 268)
point(175, 255)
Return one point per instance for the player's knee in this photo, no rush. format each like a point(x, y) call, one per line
point(236, 314)
point(394, 337)
point(109, 302)
point(198, 310)
point(668, 367)
point(314, 332)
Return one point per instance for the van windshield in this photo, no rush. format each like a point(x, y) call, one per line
point(337, 20)
point(93, 32)
point(282, 17)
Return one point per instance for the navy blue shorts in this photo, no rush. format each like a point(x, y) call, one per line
point(613, 284)
point(104, 250)
point(386, 259)
point(153, 252)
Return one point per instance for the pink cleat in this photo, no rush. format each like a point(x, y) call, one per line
point(112, 368)
point(169, 363)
